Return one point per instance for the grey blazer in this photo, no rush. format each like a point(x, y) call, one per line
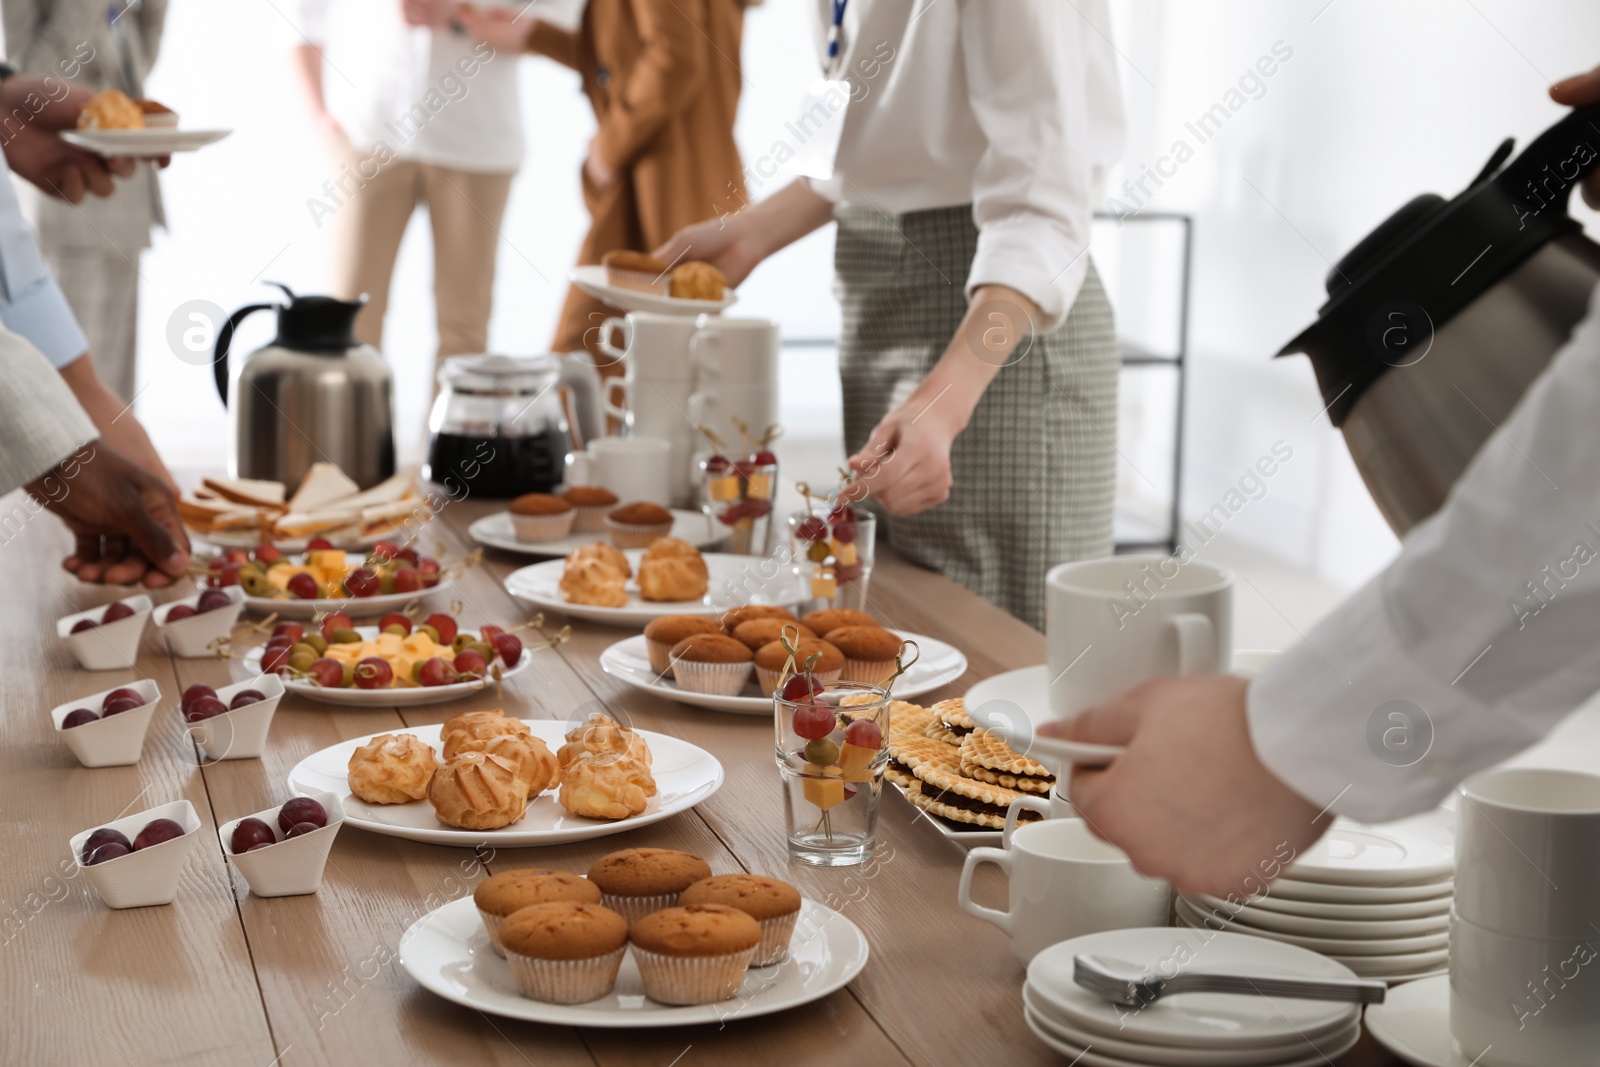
point(41, 423)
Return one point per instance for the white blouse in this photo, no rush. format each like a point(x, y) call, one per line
point(1009, 105)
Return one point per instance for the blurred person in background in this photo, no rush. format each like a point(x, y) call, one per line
point(663, 79)
point(414, 111)
point(93, 248)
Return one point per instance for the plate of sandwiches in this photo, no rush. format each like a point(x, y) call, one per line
point(486, 777)
point(635, 281)
point(603, 583)
point(244, 512)
point(114, 124)
point(961, 775)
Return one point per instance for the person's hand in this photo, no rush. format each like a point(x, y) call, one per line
point(430, 13)
point(498, 27)
point(39, 108)
point(725, 243)
point(125, 520)
point(905, 464)
point(1576, 91)
point(1189, 800)
point(600, 173)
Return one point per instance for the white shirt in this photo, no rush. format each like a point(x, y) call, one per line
point(1009, 105)
point(430, 97)
point(1483, 633)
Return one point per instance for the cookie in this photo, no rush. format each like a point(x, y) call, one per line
point(953, 715)
point(936, 731)
point(946, 792)
point(987, 758)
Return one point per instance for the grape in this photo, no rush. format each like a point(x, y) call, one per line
point(155, 832)
point(436, 671)
point(394, 618)
point(212, 599)
point(292, 630)
point(236, 555)
point(763, 458)
point(193, 693)
point(300, 829)
point(374, 672)
point(510, 648)
point(262, 845)
point(408, 554)
point(716, 464)
point(109, 851)
point(800, 687)
point(204, 708)
point(120, 694)
point(445, 625)
point(841, 512)
point(227, 574)
point(328, 673)
point(267, 553)
point(346, 635)
point(83, 624)
point(318, 544)
point(244, 697)
point(864, 733)
point(471, 662)
point(120, 705)
point(822, 752)
point(845, 532)
point(407, 580)
point(78, 718)
point(181, 611)
point(385, 550)
point(116, 611)
point(250, 833)
point(105, 836)
point(337, 620)
point(362, 583)
point(275, 660)
point(490, 632)
point(849, 572)
point(812, 721)
point(303, 587)
point(812, 528)
point(301, 810)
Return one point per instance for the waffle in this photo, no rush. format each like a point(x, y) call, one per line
point(948, 793)
point(987, 758)
point(936, 731)
point(953, 714)
point(908, 718)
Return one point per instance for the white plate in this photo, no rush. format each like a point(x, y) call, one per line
point(496, 531)
point(685, 775)
point(967, 838)
point(1337, 946)
point(1262, 919)
point(1364, 912)
point(1313, 893)
point(735, 580)
point(628, 660)
point(1393, 968)
point(448, 953)
point(1097, 1054)
point(592, 280)
point(1028, 689)
point(398, 697)
point(141, 144)
point(355, 607)
point(1194, 1020)
point(292, 545)
point(1353, 854)
point(1413, 1022)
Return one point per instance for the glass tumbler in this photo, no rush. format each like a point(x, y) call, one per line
point(737, 498)
point(832, 747)
point(832, 551)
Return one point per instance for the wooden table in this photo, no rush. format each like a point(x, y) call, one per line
point(221, 976)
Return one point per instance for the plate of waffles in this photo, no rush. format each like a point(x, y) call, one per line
point(963, 776)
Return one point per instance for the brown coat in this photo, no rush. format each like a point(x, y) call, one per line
point(664, 77)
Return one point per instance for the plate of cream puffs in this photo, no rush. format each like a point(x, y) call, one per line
point(629, 587)
point(484, 776)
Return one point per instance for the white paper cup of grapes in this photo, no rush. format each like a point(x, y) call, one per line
point(106, 729)
point(135, 862)
point(191, 626)
point(281, 851)
point(232, 722)
point(107, 639)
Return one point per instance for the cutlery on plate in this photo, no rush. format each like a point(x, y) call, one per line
point(1130, 985)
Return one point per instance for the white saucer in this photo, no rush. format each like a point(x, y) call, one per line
point(735, 580)
point(496, 531)
point(1339, 946)
point(447, 951)
point(1095, 1053)
point(142, 144)
point(1439, 906)
point(592, 280)
point(1305, 926)
point(1287, 888)
point(1026, 690)
point(1414, 1024)
point(1353, 854)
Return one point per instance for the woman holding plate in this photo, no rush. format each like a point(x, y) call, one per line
point(957, 145)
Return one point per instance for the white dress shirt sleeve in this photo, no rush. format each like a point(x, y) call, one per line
point(1477, 639)
point(1038, 93)
point(31, 303)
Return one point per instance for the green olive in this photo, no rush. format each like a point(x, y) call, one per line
point(304, 648)
point(396, 629)
point(462, 641)
point(318, 643)
point(302, 661)
point(486, 649)
point(432, 633)
point(349, 678)
point(386, 583)
point(346, 636)
point(255, 583)
point(822, 752)
point(416, 672)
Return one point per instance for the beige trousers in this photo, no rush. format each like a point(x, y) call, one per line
point(465, 209)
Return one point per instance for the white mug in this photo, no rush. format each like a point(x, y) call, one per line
point(1064, 882)
point(1114, 622)
point(654, 347)
point(1524, 1001)
point(634, 468)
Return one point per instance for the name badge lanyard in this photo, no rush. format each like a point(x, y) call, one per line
point(835, 34)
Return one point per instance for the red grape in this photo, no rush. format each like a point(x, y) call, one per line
point(105, 836)
point(292, 630)
point(394, 618)
point(212, 599)
point(716, 464)
point(328, 673)
point(204, 708)
point(301, 810)
point(78, 718)
point(429, 569)
point(436, 671)
point(120, 694)
point(764, 458)
point(275, 660)
point(245, 697)
point(848, 572)
point(490, 632)
point(155, 832)
point(510, 648)
point(744, 468)
point(385, 550)
point(337, 620)
point(193, 693)
point(800, 687)
point(120, 705)
point(181, 611)
point(470, 661)
point(302, 586)
point(864, 733)
point(374, 672)
point(267, 553)
point(812, 528)
point(236, 555)
point(116, 611)
point(407, 580)
point(317, 544)
point(408, 554)
point(82, 625)
point(445, 625)
point(812, 721)
point(250, 833)
point(227, 574)
point(111, 850)
point(262, 845)
point(845, 532)
point(300, 829)
point(362, 583)
point(757, 506)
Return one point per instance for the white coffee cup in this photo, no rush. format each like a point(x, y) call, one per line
point(1064, 882)
point(1524, 1001)
point(654, 347)
point(634, 468)
point(1114, 622)
point(735, 378)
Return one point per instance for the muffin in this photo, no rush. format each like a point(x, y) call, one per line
point(591, 502)
point(710, 663)
point(637, 524)
point(392, 769)
point(731, 618)
point(638, 881)
point(773, 904)
point(542, 517)
point(662, 633)
point(565, 952)
point(869, 652)
point(636, 270)
point(477, 791)
point(695, 280)
point(509, 891)
point(756, 634)
point(772, 658)
point(111, 109)
point(833, 618)
point(695, 954)
point(158, 116)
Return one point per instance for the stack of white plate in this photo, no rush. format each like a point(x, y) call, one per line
point(1188, 1029)
point(1376, 900)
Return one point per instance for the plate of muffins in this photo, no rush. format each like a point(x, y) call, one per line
point(735, 661)
point(648, 576)
point(647, 937)
point(554, 524)
point(637, 281)
point(483, 776)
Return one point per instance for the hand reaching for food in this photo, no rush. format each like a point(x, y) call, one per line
point(498, 27)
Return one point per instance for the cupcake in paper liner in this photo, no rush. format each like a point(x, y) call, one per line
point(710, 663)
point(592, 503)
point(694, 954)
point(662, 633)
point(773, 658)
point(564, 952)
point(637, 881)
point(511, 891)
point(541, 517)
point(774, 905)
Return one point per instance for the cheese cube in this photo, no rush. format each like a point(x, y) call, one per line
point(724, 488)
point(856, 761)
point(823, 585)
point(823, 792)
point(844, 552)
